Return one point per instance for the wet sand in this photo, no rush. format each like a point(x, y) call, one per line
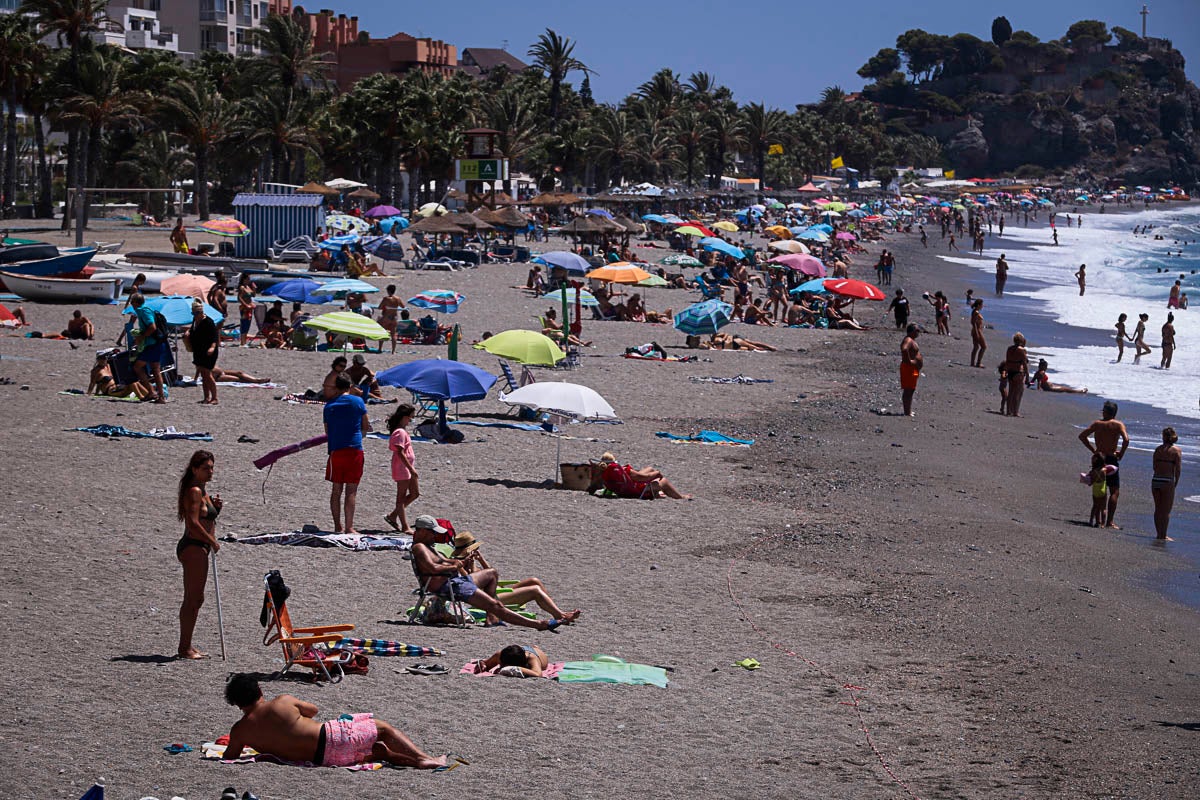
point(941, 563)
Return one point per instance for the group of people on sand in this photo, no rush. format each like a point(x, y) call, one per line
point(1139, 339)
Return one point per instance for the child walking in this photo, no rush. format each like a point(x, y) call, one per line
point(1097, 478)
point(404, 471)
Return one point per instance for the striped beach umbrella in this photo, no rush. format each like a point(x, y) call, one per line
point(585, 297)
point(224, 226)
point(345, 222)
point(706, 317)
point(441, 300)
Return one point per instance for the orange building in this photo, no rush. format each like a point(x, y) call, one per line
point(396, 54)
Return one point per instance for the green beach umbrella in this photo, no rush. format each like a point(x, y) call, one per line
point(525, 347)
point(349, 324)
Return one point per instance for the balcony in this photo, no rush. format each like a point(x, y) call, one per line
point(246, 50)
point(213, 15)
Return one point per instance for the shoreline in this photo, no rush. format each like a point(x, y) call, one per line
point(938, 562)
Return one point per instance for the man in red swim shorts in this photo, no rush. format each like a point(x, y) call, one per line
point(345, 423)
point(284, 727)
point(911, 362)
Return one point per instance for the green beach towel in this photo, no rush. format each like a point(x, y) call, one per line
point(610, 669)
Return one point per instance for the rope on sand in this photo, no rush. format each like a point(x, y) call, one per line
point(851, 690)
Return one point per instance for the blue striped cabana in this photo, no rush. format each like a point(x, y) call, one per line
point(272, 217)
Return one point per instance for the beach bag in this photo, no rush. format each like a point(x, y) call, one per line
point(438, 611)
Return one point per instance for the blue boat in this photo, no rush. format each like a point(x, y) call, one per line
point(44, 260)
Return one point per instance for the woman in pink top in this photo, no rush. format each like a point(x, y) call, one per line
point(404, 471)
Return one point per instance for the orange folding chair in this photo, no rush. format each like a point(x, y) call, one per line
point(309, 647)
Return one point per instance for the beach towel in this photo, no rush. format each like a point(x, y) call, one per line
point(549, 673)
point(189, 383)
point(384, 647)
point(734, 379)
point(118, 431)
point(212, 751)
point(358, 542)
point(521, 426)
point(680, 359)
point(81, 393)
point(610, 669)
point(705, 437)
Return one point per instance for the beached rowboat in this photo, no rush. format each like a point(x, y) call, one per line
point(62, 290)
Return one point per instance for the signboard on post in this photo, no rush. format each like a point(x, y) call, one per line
point(481, 169)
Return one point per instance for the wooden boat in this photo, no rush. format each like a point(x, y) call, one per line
point(41, 259)
point(154, 277)
point(62, 290)
point(205, 264)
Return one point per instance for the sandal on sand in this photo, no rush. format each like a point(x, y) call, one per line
point(453, 761)
point(390, 520)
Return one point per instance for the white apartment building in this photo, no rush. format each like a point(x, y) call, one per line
point(138, 27)
point(222, 25)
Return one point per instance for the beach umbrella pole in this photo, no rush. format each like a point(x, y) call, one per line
point(220, 615)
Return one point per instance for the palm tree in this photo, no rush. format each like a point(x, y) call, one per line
point(70, 22)
point(284, 126)
point(662, 93)
point(764, 127)
point(553, 55)
point(19, 52)
point(203, 118)
point(288, 60)
point(613, 142)
point(688, 126)
point(100, 100)
point(155, 160)
point(723, 134)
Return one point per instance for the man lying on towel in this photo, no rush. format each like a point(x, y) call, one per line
point(284, 727)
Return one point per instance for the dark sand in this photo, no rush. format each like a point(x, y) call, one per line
point(940, 563)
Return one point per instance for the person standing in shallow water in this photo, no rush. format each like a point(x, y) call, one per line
point(1122, 336)
point(1168, 342)
point(1001, 274)
point(1081, 276)
point(978, 343)
point(1168, 461)
point(1139, 338)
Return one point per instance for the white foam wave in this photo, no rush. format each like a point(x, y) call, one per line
point(1174, 391)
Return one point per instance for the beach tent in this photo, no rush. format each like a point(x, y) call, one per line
point(275, 217)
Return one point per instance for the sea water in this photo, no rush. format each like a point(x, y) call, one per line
point(1126, 274)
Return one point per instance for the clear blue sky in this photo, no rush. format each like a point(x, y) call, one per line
point(779, 54)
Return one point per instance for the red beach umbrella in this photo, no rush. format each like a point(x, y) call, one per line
point(858, 290)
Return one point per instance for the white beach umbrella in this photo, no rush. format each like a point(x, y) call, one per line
point(571, 400)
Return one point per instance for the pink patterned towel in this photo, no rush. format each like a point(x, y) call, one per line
point(550, 673)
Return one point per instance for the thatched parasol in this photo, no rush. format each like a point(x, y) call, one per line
point(468, 221)
point(435, 225)
point(364, 193)
point(509, 217)
point(555, 199)
point(628, 224)
point(312, 187)
point(503, 199)
point(485, 215)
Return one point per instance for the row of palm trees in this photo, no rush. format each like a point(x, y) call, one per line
point(150, 119)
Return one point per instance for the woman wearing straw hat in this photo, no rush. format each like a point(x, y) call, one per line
point(467, 552)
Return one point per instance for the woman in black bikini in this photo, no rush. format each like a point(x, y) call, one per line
point(1167, 462)
point(199, 513)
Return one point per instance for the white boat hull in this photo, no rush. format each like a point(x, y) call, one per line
point(62, 290)
point(154, 277)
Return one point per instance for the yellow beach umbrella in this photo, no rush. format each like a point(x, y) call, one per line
point(726, 225)
point(780, 231)
point(524, 347)
point(620, 272)
point(349, 324)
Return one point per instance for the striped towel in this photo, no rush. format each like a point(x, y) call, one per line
point(384, 647)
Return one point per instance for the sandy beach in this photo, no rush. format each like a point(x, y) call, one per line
point(933, 617)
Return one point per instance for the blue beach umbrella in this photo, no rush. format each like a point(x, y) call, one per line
point(385, 247)
point(440, 379)
point(335, 243)
point(296, 290)
point(659, 218)
point(816, 286)
point(600, 212)
point(857, 213)
point(721, 246)
point(703, 318)
point(177, 309)
point(571, 262)
point(813, 236)
point(823, 227)
point(387, 224)
point(343, 286)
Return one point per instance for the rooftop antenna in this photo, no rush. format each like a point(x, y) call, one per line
point(1145, 12)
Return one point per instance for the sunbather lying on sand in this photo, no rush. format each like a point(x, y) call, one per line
point(103, 382)
point(285, 728)
point(445, 576)
point(625, 481)
point(517, 661)
point(235, 376)
point(725, 341)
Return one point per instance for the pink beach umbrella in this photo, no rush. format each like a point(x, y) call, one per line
point(846, 236)
point(802, 263)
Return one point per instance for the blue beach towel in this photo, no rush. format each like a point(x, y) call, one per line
point(119, 431)
point(706, 437)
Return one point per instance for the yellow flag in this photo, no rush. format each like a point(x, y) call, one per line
point(948, 173)
point(837, 163)
point(775, 150)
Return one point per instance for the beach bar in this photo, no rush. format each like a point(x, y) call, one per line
point(271, 217)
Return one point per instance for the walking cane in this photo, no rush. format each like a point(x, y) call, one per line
point(220, 616)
